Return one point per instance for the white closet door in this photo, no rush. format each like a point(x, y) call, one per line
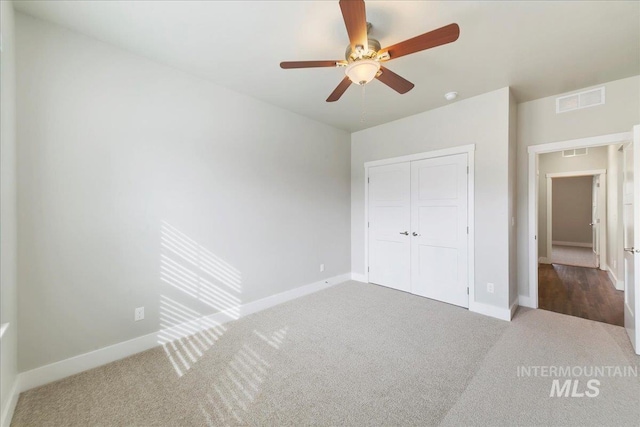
point(439, 256)
point(389, 223)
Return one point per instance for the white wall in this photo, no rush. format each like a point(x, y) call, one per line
point(482, 120)
point(596, 158)
point(133, 175)
point(8, 212)
point(572, 210)
point(538, 123)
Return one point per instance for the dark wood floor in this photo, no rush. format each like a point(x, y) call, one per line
point(579, 291)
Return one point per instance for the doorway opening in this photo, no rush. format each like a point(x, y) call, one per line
point(576, 215)
point(578, 223)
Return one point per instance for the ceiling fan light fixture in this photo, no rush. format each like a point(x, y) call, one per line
point(363, 71)
point(364, 54)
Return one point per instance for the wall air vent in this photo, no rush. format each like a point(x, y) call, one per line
point(576, 101)
point(575, 152)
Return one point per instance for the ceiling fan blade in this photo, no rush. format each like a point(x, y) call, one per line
point(342, 88)
point(309, 64)
point(444, 35)
point(394, 81)
point(355, 19)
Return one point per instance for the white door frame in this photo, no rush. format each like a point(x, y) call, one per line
point(632, 317)
point(462, 149)
point(602, 230)
point(531, 300)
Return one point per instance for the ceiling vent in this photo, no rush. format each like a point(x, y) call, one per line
point(574, 153)
point(576, 101)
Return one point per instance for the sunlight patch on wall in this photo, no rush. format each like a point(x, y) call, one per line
point(196, 256)
point(203, 279)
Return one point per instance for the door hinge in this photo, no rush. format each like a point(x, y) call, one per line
point(467, 229)
point(467, 170)
point(368, 270)
point(367, 224)
point(467, 290)
point(368, 180)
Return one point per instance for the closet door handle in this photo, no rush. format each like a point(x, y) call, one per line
point(632, 250)
point(406, 233)
point(415, 234)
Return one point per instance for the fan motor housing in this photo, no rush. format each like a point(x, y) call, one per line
point(371, 53)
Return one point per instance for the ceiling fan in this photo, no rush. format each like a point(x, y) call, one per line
point(364, 55)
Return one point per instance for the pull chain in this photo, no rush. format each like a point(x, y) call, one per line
point(362, 116)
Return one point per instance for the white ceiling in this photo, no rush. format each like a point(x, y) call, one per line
point(538, 48)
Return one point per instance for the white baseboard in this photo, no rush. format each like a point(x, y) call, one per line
point(526, 301)
point(359, 277)
point(490, 310)
point(618, 284)
point(544, 260)
point(83, 362)
point(513, 309)
point(74, 365)
point(577, 244)
point(612, 278)
point(7, 411)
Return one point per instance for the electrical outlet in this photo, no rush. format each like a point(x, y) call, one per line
point(490, 288)
point(321, 268)
point(138, 314)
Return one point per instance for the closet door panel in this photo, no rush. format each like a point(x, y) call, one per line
point(389, 220)
point(439, 241)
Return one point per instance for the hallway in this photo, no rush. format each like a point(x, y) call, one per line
point(579, 291)
point(573, 255)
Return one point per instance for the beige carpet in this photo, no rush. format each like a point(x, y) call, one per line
point(573, 255)
point(354, 354)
